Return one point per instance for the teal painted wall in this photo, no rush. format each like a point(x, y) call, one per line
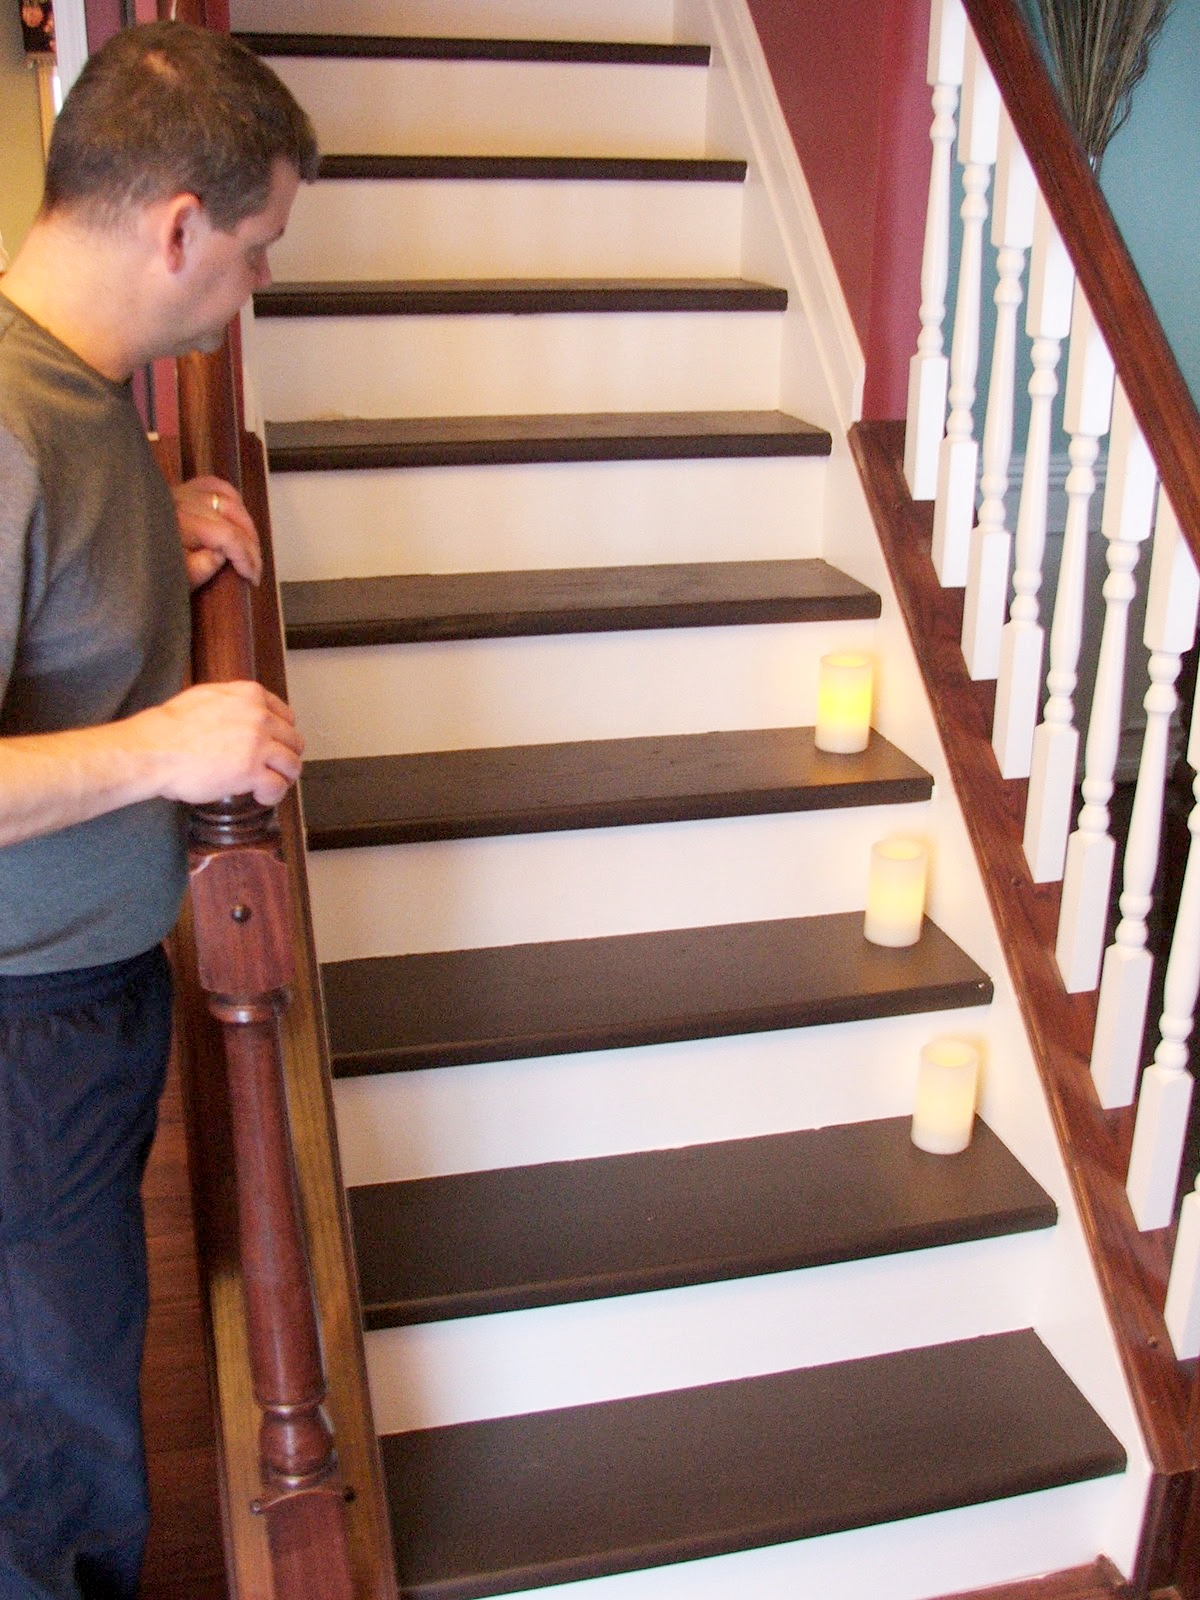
point(1151, 178)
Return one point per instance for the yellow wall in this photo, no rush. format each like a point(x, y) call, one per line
point(20, 134)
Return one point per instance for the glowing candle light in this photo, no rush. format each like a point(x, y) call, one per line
point(896, 892)
point(947, 1083)
point(843, 704)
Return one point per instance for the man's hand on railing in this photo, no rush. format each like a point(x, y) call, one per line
point(210, 742)
point(215, 527)
point(220, 739)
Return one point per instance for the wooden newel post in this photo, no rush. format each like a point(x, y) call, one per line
point(244, 960)
point(239, 895)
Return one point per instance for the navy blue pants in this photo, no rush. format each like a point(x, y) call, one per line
point(82, 1059)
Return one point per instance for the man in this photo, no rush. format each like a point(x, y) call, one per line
point(172, 170)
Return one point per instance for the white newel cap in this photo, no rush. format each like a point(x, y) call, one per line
point(1051, 279)
point(1131, 479)
point(1087, 407)
point(979, 120)
point(947, 41)
point(1016, 191)
point(1172, 597)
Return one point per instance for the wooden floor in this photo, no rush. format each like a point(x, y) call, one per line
point(185, 1557)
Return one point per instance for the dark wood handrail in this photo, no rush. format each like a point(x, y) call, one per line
point(1158, 393)
point(244, 950)
point(258, 1098)
point(289, 1551)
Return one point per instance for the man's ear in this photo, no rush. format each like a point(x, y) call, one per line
point(174, 226)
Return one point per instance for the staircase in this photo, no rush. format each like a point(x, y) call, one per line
point(658, 1293)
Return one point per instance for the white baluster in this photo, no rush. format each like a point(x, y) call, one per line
point(1047, 322)
point(1087, 411)
point(928, 371)
point(958, 454)
point(1182, 1311)
point(1129, 491)
point(1166, 1094)
point(1125, 982)
point(991, 542)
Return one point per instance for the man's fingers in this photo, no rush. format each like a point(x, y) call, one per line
point(229, 540)
point(230, 738)
point(212, 516)
point(202, 564)
point(271, 789)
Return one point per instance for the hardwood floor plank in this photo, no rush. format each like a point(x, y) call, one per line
point(599, 783)
point(507, 1504)
point(412, 607)
point(487, 441)
point(389, 1013)
point(475, 1243)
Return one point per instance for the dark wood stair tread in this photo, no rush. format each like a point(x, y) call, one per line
point(425, 48)
point(512, 1503)
point(481, 1242)
point(600, 783)
point(444, 1008)
point(524, 169)
point(515, 297)
point(375, 442)
point(409, 608)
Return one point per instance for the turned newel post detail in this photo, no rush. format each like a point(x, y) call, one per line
point(991, 541)
point(239, 897)
point(928, 372)
point(958, 454)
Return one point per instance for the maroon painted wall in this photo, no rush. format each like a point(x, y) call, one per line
point(102, 19)
point(850, 77)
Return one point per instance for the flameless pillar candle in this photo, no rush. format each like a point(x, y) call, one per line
point(843, 704)
point(947, 1081)
point(896, 892)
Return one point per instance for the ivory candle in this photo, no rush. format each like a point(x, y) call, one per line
point(844, 703)
point(947, 1083)
point(896, 892)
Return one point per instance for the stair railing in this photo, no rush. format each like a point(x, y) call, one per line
point(305, 1514)
point(1126, 395)
point(1134, 478)
point(244, 955)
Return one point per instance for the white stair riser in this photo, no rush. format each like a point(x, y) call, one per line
point(501, 108)
point(469, 693)
point(577, 885)
point(376, 229)
point(650, 21)
point(496, 366)
point(548, 515)
point(401, 1125)
point(447, 1372)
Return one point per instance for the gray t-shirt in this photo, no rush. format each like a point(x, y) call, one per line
point(93, 627)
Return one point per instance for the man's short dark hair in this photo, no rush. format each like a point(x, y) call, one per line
point(164, 109)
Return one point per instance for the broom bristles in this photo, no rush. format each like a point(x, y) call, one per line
point(1100, 50)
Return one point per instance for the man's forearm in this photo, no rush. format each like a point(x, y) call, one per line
point(50, 781)
point(206, 743)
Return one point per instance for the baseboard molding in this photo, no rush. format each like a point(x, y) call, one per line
point(1100, 1581)
point(1056, 510)
point(774, 157)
